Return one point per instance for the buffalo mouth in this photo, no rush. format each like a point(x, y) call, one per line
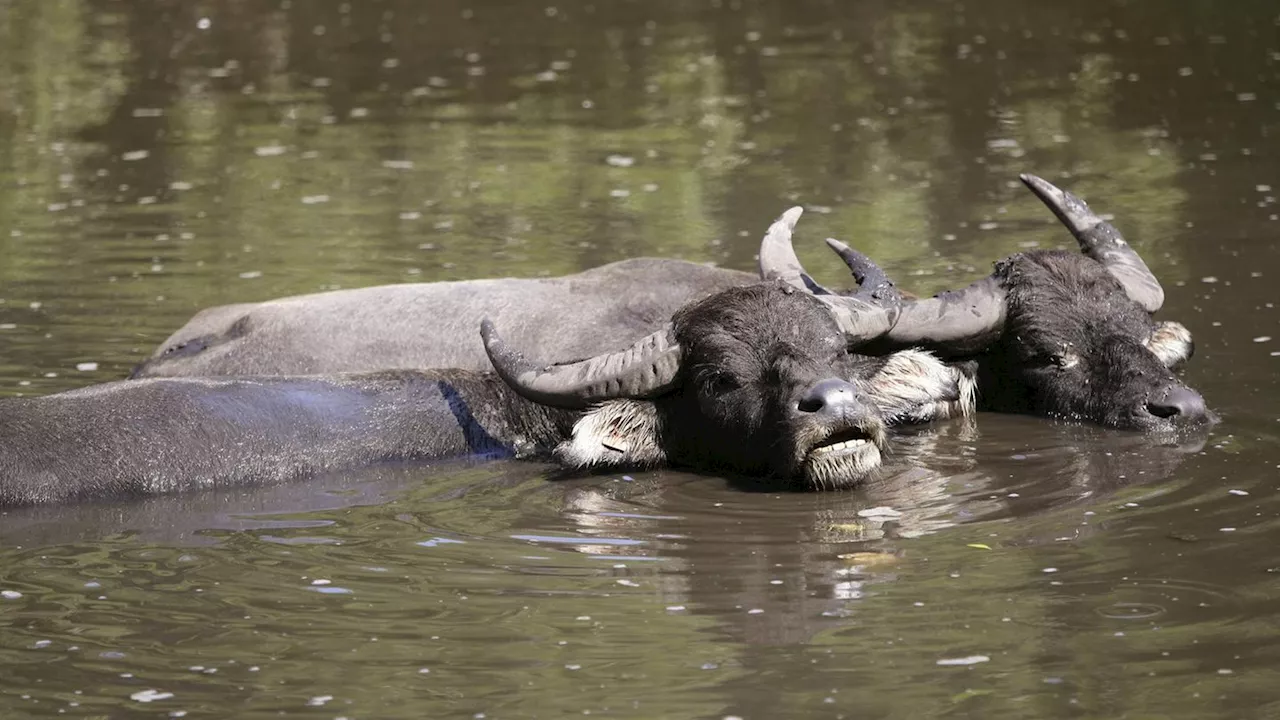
point(843, 457)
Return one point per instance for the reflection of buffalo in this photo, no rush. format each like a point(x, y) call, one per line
point(1059, 334)
point(1053, 333)
point(756, 379)
point(806, 563)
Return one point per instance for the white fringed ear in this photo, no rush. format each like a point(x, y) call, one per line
point(1171, 342)
point(618, 433)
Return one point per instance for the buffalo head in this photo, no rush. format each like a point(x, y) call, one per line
point(1055, 333)
point(755, 379)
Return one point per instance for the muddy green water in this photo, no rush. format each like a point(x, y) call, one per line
point(157, 157)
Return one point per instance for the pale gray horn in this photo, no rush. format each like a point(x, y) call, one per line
point(647, 368)
point(778, 259)
point(859, 320)
point(960, 321)
point(1101, 241)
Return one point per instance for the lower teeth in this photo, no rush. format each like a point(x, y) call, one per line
point(846, 445)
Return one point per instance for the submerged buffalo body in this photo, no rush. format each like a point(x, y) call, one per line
point(434, 324)
point(1055, 333)
point(754, 379)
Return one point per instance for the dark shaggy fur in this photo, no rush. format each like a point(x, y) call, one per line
point(1076, 347)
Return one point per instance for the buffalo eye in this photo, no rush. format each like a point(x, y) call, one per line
point(1066, 361)
point(720, 383)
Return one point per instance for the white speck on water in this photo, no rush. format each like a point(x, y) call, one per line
point(321, 581)
point(410, 215)
point(319, 700)
point(755, 611)
point(359, 112)
point(150, 695)
point(573, 667)
point(398, 164)
point(882, 512)
point(1246, 96)
point(251, 274)
point(204, 23)
point(269, 150)
point(1209, 279)
point(1238, 492)
point(42, 643)
point(1225, 671)
point(1184, 71)
point(1227, 529)
point(1130, 505)
point(1262, 339)
point(1049, 570)
point(628, 583)
point(135, 155)
point(970, 660)
point(620, 193)
point(988, 225)
point(179, 185)
point(775, 582)
point(10, 594)
point(314, 199)
point(1263, 188)
point(87, 366)
point(622, 161)
point(675, 608)
point(332, 590)
point(650, 187)
point(583, 617)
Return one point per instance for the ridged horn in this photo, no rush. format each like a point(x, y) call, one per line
point(960, 320)
point(1101, 241)
point(647, 368)
point(872, 281)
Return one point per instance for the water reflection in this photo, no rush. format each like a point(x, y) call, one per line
point(158, 157)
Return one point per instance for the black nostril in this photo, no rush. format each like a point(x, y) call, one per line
point(826, 395)
point(1178, 402)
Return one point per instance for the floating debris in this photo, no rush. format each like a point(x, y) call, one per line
point(147, 696)
point(969, 660)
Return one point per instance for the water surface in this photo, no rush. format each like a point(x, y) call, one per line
point(160, 157)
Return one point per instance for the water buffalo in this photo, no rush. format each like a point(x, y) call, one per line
point(755, 379)
point(417, 325)
point(1053, 333)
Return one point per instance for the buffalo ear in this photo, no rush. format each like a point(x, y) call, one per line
point(617, 433)
point(914, 386)
point(1172, 343)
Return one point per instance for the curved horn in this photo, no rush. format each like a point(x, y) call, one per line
point(858, 319)
point(647, 368)
point(778, 259)
point(961, 320)
point(1101, 241)
point(872, 281)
